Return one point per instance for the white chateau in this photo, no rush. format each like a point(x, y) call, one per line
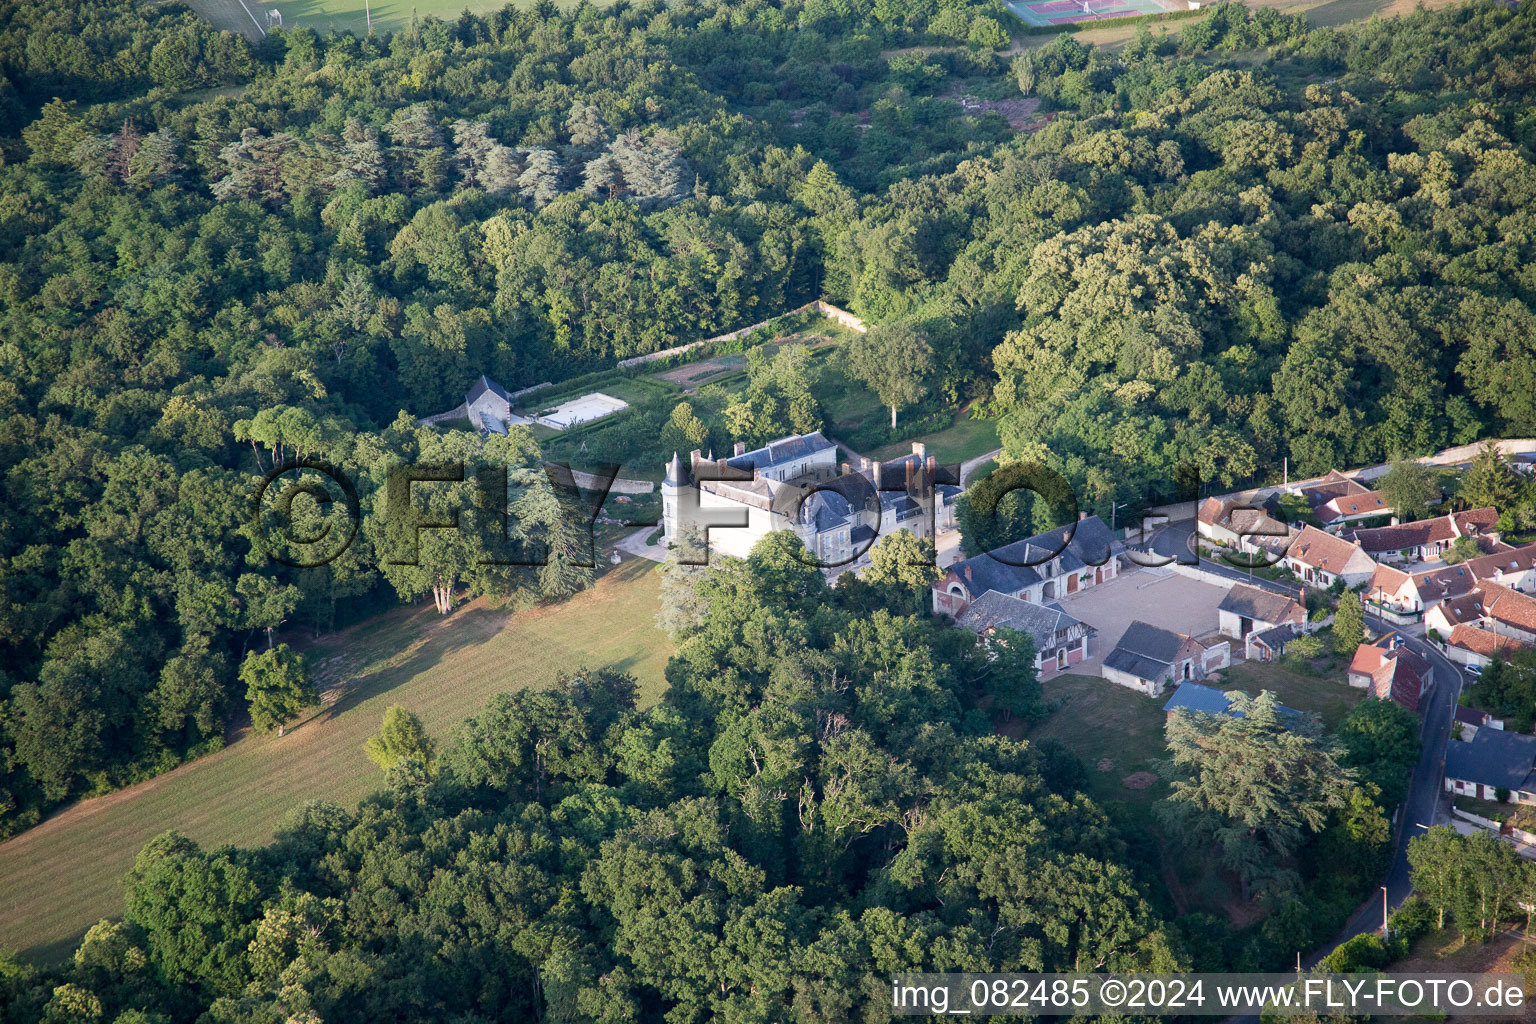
point(796, 483)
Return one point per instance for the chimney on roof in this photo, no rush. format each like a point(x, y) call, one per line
point(864, 463)
point(693, 458)
point(932, 467)
point(967, 573)
point(919, 449)
point(1393, 522)
point(739, 448)
point(1081, 516)
point(911, 470)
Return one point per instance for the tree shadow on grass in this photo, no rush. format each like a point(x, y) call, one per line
point(51, 954)
point(466, 628)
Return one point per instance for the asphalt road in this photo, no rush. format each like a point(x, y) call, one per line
point(1418, 809)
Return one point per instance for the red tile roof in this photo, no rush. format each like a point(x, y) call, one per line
point(1334, 485)
point(1482, 641)
point(1509, 606)
point(1321, 550)
point(1512, 560)
point(1346, 505)
point(1427, 531)
point(1466, 608)
point(1396, 673)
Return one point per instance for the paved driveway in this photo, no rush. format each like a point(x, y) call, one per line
point(1156, 596)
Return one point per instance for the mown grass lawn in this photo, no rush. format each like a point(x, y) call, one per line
point(966, 439)
point(1116, 731)
point(325, 16)
point(66, 874)
point(1328, 695)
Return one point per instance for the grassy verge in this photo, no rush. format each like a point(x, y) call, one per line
point(64, 875)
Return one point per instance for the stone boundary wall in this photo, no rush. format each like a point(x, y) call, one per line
point(1449, 457)
point(826, 309)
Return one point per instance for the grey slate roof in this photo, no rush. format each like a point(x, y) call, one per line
point(898, 505)
point(1254, 603)
point(1136, 665)
point(483, 385)
point(993, 609)
point(776, 453)
point(676, 474)
point(1015, 566)
point(1151, 641)
point(1493, 757)
point(1276, 638)
point(827, 510)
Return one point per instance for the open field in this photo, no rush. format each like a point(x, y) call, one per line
point(1323, 13)
point(1045, 13)
point(64, 875)
point(339, 15)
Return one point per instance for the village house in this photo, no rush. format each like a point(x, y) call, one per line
point(1246, 610)
point(1060, 640)
point(1318, 559)
point(1337, 499)
point(1513, 567)
point(1447, 615)
point(1231, 524)
point(1403, 597)
point(1037, 569)
point(1509, 613)
point(1469, 720)
point(1493, 765)
point(1428, 539)
point(1348, 509)
point(1391, 671)
point(1148, 658)
point(1474, 646)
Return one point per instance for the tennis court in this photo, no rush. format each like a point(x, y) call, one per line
point(1044, 13)
point(581, 410)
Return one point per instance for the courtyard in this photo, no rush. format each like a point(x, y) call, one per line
point(1156, 596)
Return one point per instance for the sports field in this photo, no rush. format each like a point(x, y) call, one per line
point(64, 875)
point(1044, 13)
point(251, 17)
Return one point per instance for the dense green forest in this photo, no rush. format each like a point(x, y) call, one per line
point(1261, 241)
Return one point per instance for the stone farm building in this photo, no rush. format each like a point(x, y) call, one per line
point(1148, 658)
point(1037, 569)
point(1060, 640)
point(1264, 621)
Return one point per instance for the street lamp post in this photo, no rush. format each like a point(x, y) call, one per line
point(1384, 934)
